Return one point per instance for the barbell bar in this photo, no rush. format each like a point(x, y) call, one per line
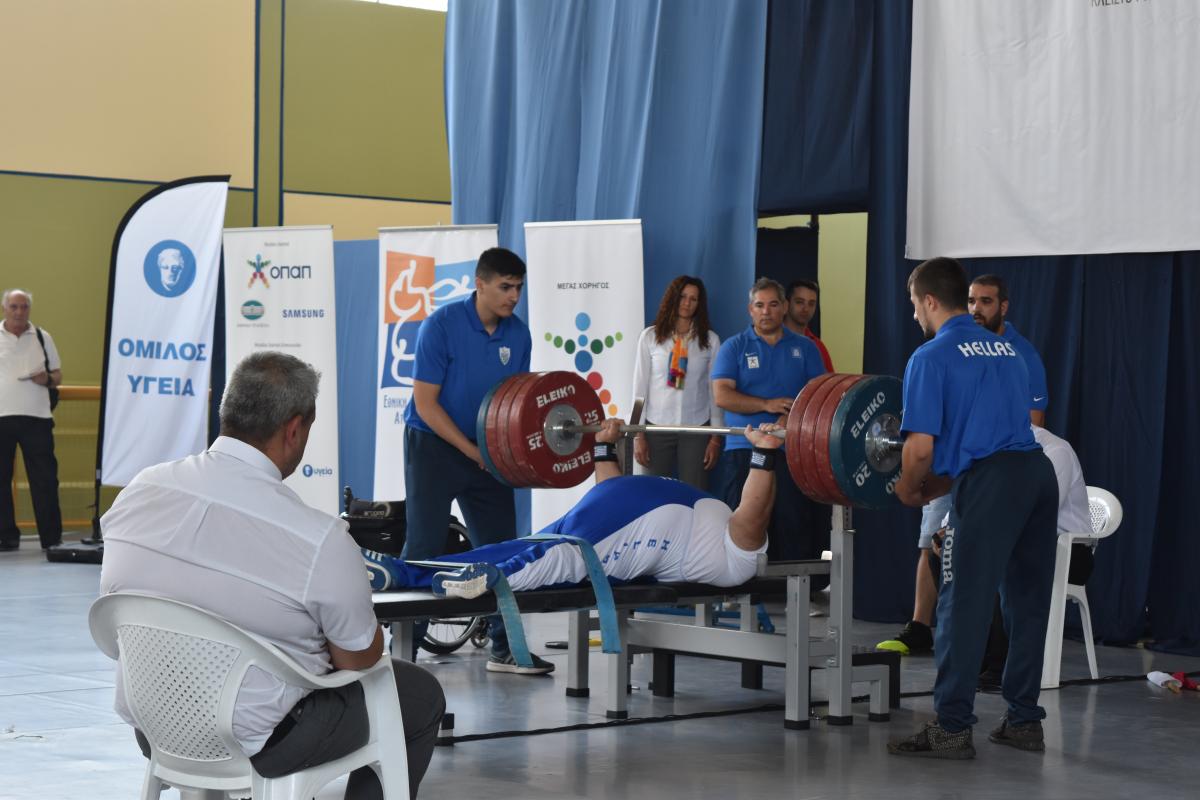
point(572, 428)
point(842, 439)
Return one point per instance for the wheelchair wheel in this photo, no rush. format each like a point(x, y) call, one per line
point(445, 635)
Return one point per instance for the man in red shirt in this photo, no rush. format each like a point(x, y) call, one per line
point(802, 298)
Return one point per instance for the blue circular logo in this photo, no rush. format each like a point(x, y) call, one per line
point(169, 268)
point(308, 470)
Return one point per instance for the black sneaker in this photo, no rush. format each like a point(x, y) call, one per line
point(1021, 735)
point(934, 741)
point(916, 638)
point(507, 663)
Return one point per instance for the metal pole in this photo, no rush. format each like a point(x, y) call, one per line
point(703, 430)
point(880, 442)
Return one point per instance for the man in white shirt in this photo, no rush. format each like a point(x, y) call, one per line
point(221, 531)
point(29, 367)
point(1074, 516)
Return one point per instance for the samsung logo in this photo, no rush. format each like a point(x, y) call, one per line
point(304, 313)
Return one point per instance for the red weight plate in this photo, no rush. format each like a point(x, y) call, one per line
point(794, 443)
point(527, 432)
point(509, 412)
point(829, 407)
point(814, 455)
point(816, 390)
point(493, 431)
point(809, 455)
point(511, 443)
point(497, 425)
point(513, 436)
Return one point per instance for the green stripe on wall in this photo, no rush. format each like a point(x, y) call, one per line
point(363, 104)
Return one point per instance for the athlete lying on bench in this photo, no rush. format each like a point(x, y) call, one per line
point(639, 526)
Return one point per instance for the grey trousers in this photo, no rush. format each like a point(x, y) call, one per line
point(331, 723)
point(677, 455)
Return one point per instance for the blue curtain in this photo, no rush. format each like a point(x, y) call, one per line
point(356, 287)
point(609, 110)
point(885, 547)
point(1116, 333)
point(816, 144)
point(1173, 599)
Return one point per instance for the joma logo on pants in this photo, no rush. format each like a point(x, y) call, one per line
point(947, 556)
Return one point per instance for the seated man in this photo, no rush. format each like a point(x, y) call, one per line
point(221, 531)
point(640, 527)
point(1073, 517)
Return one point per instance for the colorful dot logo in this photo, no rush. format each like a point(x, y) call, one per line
point(585, 348)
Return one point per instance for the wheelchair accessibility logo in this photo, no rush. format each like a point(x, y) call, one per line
point(169, 268)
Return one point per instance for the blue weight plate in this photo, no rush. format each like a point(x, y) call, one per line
point(866, 482)
point(481, 434)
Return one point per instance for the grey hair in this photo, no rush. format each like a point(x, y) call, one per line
point(7, 292)
point(764, 284)
point(266, 390)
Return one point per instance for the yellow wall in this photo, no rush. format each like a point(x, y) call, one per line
point(137, 89)
point(104, 100)
point(363, 109)
point(842, 273)
point(359, 218)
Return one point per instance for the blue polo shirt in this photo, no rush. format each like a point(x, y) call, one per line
point(456, 352)
point(764, 370)
point(967, 387)
point(1038, 394)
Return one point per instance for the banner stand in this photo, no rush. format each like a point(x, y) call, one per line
point(91, 549)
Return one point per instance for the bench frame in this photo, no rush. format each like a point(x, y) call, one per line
point(796, 651)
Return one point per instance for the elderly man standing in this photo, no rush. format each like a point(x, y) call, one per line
point(222, 532)
point(756, 376)
point(29, 368)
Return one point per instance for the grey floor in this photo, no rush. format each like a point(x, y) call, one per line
point(60, 739)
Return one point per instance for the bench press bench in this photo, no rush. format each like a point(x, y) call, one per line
point(639, 630)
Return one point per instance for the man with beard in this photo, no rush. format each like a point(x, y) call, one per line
point(987, 302)
point(803, 297)
point(967, 429)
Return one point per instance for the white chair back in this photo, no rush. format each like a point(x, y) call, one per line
point(1105, 510)
point(182, 669)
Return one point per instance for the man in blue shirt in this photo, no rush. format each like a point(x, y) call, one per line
point(987, 302)
point(756, 376)
point(966, 420)
point(463, 349)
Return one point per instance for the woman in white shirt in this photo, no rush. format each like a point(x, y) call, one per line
point(674, 358)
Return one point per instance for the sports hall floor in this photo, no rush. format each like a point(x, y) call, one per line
point(59, 737)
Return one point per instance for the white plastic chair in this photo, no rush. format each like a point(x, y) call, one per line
point(182, 669)
point(1106, 516)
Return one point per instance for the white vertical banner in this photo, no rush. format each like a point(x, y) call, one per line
point(585, 291)
point(162, 301)
point(1053, 128)
point(279, 295)
point(420, 269)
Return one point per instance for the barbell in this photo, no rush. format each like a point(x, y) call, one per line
point(842, 438)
